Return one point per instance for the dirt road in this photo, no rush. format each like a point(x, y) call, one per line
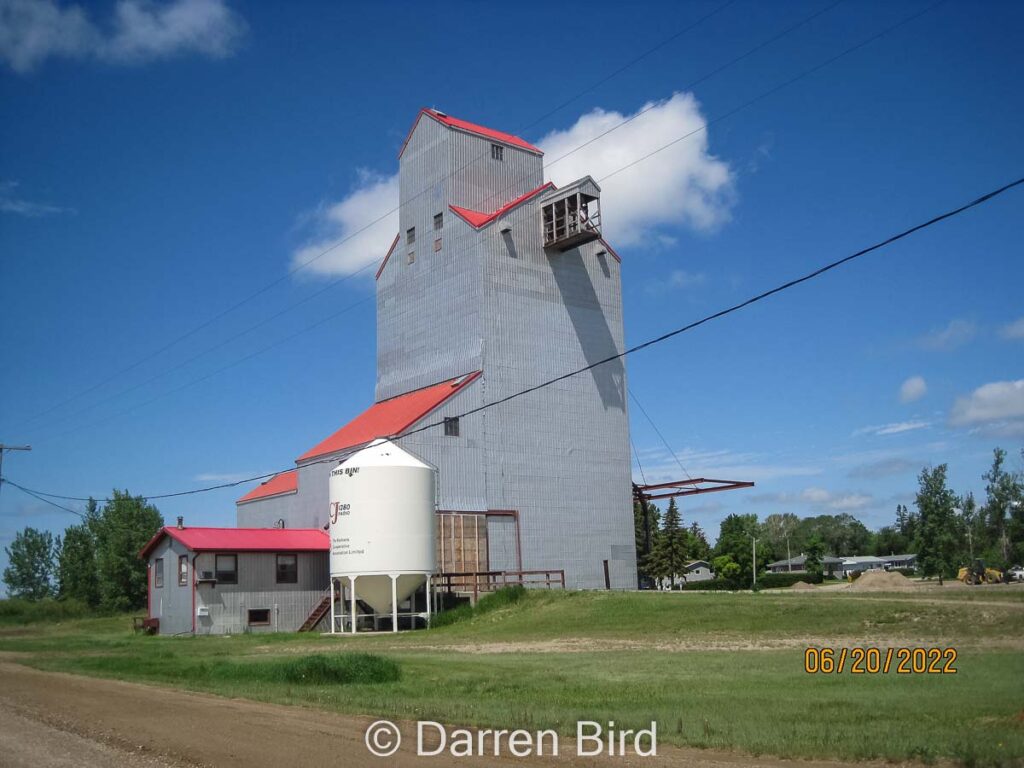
point(51, 720)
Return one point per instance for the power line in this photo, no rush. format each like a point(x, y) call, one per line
point(639, 465)
point(211, 374)
point(736, 307)
point(988, 196)
point(631, 164)
point(298, 268)
point(654, 426)
point(4, 480)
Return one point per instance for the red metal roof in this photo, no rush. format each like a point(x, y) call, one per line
point(389, 417)
point(478, 219)
point(611, 250)
point(465, 125)
point(244, 539)
point(386, 257)
point(279, 484)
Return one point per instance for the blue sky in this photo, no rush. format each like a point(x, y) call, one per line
point(164, 161)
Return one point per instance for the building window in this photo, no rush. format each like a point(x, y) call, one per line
point(497, 152)
point(287, 569)
point(182, 570)
point(437, 245)
point(410, 236)
point(259, 616)
point(451, 426)
point(411, 258)
point(226, 569)
point(438, 221)
point(158, 572)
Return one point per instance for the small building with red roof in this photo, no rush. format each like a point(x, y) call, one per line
point(232, 580)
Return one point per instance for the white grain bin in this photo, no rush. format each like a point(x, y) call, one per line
point(382, 524)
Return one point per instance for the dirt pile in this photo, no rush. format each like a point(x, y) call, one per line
point(881, 581)
point(801, 585)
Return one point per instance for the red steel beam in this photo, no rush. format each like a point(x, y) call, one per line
point(689, 488)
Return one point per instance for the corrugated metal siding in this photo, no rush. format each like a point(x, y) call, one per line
point(561, 455)
point(289, 604)
point(264, 513)
point(428, 312)
point(483, 184)
point(172, 603)
point(500, 304)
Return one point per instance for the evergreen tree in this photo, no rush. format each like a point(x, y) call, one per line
point(646, 518)
point(699, 547)
point(31, 557)
point(670, 556)
point(938, 541)
point(125, 526)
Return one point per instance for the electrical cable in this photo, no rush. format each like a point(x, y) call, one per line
point(294, 270)
point(654, 426)
point(988, 196)
point(671, 143)
point(636, 455)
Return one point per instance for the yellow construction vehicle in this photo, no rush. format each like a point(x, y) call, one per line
point(977, 573)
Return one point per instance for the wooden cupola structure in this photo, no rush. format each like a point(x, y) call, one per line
point(572, 214)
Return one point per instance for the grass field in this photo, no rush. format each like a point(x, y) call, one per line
point(716, 670)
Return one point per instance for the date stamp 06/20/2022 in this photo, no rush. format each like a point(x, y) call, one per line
point(858, 660)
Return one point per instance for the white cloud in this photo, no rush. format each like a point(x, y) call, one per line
point(11, 202)
point(851, 501)
point(32, 31)
point(817, 497)
point(682, 185)
point(660, 466)
point(996, 408)
point(1014, 330)
point(884, 468)
point(956, 334)
point(913, 389)
point(894, 428)
point(355, 231)
point(680, 278)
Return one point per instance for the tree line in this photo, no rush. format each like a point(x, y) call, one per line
point(945, 530)
point(95, 562)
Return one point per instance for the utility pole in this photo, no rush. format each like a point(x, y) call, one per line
point(970, 543)
point(754, 542)
point(789, 557)
point(4, 449)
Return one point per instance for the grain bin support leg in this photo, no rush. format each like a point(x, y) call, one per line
point(430, 601)
point(352, 582)
point(394, 603)
point(334, 612)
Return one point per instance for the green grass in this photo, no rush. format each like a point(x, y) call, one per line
point(758, 701)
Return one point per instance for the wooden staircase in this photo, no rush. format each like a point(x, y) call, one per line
point(317, 614)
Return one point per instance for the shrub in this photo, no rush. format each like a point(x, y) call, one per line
point(501, 598)
point(712, 585)
point(775, 580)
point(452, 615)
point(19, 611)
point(316, 669)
